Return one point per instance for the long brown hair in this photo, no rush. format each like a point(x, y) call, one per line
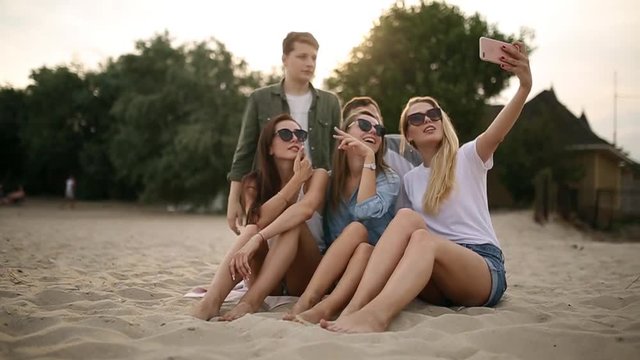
point(443, 163)
point(340, 170)
point(265, 176)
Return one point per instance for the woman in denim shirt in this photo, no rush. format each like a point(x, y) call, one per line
point(361, 202)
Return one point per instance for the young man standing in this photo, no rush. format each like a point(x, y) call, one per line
point(316, 110)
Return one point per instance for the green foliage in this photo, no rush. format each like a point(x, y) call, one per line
point(538, 141)
point(12, 117)
point(177, 118)
point(426, 49)
point(53, 132)
point(158, 124)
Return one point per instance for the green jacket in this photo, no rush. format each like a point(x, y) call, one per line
point(270, 101)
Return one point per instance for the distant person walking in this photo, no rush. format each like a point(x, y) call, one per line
point(70, 191)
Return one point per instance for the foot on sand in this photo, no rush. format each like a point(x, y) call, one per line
point(300, 306)
point(204, 310)
point(358, 322)
point(238, 311)
point(311, 316)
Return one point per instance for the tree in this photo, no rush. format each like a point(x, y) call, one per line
point(426, 49)
point(53, 131)
point(12, 118)
point(177, 117)
point(539, 140)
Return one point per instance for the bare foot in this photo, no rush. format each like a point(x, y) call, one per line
point(238, 311)
point(289, 317)
point(204, 310)
point(315, 314)
point(349, 309)
point(358, 322)
point(300, 306)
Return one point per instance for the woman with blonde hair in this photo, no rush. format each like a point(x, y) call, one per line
point(444, 250)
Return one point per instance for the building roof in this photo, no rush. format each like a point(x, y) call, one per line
point(576, 131)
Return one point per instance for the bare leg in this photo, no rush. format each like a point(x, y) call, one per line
point(385, 257)
point(339, 297)
point(333, 264)
point(284, 253)
point(222, 284)
point(458, 272)
point(304, 265)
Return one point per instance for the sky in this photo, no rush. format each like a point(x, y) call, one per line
point(579, 44)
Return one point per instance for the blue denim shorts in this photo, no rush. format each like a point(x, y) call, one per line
point(495, 260)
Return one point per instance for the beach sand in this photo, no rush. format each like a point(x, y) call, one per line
point(107, 280)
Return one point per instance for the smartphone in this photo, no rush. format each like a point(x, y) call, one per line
point(491, 49)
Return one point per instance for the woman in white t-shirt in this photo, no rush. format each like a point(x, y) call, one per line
point(444, 250)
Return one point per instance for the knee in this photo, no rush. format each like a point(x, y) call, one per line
point(423, 240)
point(363, 249)
point(293, 233)
point(356, 229)
point(250, 230)
point(409, 217)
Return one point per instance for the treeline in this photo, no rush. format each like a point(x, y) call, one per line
point(162, 122)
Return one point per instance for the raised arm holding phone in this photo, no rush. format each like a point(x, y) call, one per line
point(444, 250)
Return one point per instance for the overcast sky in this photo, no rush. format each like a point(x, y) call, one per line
point(579, 44)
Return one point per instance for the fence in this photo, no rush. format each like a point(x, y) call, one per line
point(602, 210)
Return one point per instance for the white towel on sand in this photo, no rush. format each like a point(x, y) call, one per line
point(270, 302)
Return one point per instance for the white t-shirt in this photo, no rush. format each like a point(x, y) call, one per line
point(68, 191)
point(299, 106)
point(464, 215)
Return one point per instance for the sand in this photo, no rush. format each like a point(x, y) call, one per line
point(106, 281)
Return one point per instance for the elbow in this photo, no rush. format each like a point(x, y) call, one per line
point(372, 208)
point(306, 212)
point(368, 213)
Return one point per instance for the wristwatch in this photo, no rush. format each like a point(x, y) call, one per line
point(371, 166)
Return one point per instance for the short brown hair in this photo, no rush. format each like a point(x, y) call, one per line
point(358, 102)
point(303, 37)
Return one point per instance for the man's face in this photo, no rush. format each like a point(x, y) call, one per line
point(300, 63)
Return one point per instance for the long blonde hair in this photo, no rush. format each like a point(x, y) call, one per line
point(443, 163)
point(340, 169)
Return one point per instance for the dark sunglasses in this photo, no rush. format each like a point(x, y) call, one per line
point(287, 134)
point(418, 119)
point(366, 125)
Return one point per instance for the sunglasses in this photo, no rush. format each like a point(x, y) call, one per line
point(366, 125)
point(418, 119)
point(286, 134)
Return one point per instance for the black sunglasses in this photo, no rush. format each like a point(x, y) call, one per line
point(287, 134)
point(418, 119)
point(366, 125)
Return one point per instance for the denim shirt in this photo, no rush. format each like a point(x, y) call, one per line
point(374, 213)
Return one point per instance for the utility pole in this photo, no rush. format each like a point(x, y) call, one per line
point(615, 106)
point(617, 96)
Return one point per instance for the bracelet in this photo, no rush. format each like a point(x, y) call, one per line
point(261, 236)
